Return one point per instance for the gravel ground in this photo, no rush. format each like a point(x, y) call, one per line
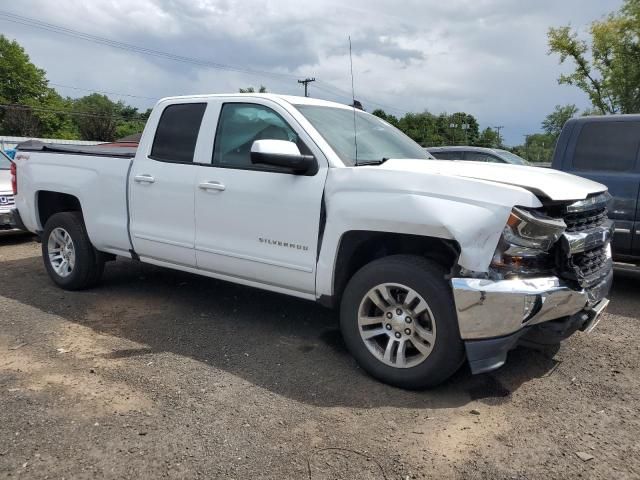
point(160, 374)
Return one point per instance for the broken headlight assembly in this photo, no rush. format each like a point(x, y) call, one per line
point(524, 246)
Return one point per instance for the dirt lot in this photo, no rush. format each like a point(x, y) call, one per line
point(159, 374)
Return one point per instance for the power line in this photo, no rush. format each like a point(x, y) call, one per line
point(103, 91)
point(31, 22)
point(18, 106)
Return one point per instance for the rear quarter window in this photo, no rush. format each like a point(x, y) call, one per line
point(177, 132)
point(607, 146)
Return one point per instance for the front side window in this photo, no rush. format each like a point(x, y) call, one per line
point(240, 125)
point(607, 146)
point(371, 139)
point(177, 132)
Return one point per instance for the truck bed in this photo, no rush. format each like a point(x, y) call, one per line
point(96, 176)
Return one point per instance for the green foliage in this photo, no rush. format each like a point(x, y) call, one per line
point(262, 89)
point(553, 123)
point(96, 118)
point(607, 68)
point(32, 109)
point(99, 118)
point(488, 138)
point(386, 117)
point(537, 148)
point(20, 80)
point(430, 130)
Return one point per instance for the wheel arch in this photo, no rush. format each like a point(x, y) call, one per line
point(49, 203)
point(360, 247)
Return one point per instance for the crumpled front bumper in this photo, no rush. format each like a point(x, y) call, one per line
point(493, 315)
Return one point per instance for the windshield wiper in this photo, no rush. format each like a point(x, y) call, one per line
point(372, 162)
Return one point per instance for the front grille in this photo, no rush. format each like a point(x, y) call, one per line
point(581, 221)
point(586, 217)
point(587, 268)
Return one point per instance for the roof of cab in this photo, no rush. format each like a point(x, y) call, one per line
point(291, 99)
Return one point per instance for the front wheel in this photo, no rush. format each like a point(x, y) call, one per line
point(399, 322)
point(69, 257)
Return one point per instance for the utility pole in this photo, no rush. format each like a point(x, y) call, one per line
point(306, 82)
point(497, 129)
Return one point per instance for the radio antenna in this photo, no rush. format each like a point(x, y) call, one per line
point(353, 105)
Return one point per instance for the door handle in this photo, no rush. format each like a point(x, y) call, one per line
point(212, 186)
point(144, 178)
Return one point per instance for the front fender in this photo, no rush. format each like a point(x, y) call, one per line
point(471, 212)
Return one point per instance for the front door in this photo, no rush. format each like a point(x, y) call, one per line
point(258, 223)
point(161, 186)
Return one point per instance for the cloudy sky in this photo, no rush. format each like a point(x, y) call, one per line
point(485, 57)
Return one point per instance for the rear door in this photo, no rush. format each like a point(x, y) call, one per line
point(161, 188)
point(607, 152)
point(253, 222)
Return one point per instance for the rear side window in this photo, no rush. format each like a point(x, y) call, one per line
point(608, 146)
point(177, 132)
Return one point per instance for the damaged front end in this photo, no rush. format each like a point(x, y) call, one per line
point(549, 276)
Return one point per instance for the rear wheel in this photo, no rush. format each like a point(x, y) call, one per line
point(69, 257)
point(399, 322)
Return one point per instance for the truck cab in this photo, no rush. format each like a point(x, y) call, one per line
point(606, 149)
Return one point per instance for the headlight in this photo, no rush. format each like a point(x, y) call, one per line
point(525, 242)
point(532, 230)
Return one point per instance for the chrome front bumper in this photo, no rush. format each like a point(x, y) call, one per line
point(490, 309)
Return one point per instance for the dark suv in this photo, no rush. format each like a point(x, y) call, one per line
point(607, 149)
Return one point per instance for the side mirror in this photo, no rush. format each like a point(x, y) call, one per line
point(281, 153)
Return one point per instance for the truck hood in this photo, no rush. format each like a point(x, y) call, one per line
point(543, 182)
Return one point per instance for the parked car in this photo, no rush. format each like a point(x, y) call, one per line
point(7, 201)
point(477, 154)
point(607, 149)
point(428, 261)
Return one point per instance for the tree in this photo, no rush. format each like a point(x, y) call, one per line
point(488, 138)
point(553, 123)
point(21, 83)
point(96, 117)
point(262, 89)
point(463, 129)
point(537, 148)
point(607, 68)
point(421, 127)
point(20, 80)
point(393, 120)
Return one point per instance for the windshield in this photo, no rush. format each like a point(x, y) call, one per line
point(512, 158)
point(376, 139)
point(5, 164)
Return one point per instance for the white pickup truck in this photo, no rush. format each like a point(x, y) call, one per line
point(430, 262)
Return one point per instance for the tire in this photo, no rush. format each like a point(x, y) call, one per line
point(85, 264)
point(434, 329)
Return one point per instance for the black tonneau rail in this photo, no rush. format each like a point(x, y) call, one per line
point(92, 150)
